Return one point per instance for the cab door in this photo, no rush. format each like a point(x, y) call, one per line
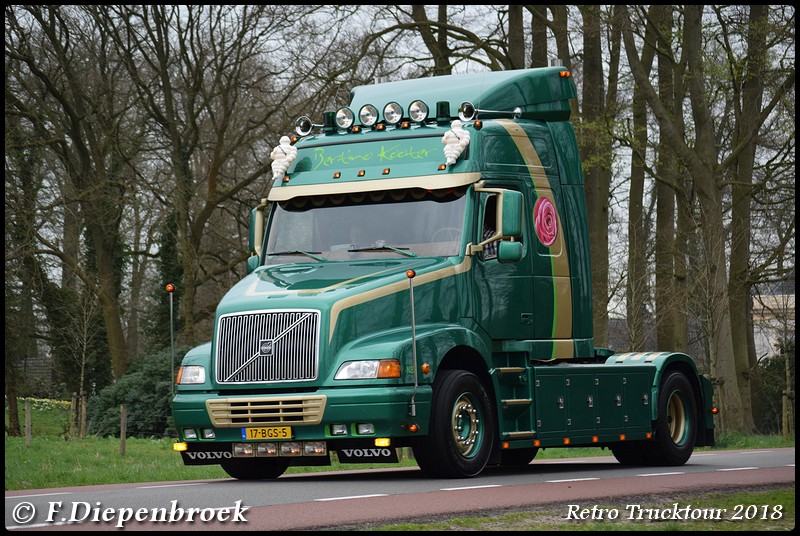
point(503, 291)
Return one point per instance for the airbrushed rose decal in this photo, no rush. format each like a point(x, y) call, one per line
point(546, 221)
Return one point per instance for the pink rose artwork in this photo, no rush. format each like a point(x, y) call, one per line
point(546, 221)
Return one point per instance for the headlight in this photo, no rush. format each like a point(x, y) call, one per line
point(191, 375)
point(369, 370)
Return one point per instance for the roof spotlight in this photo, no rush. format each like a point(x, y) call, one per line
point(368, 115)
point(344, 117)
point(418, 111)
point(392, 113)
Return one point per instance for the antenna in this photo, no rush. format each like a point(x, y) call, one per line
point(170, 289)
point(410, 274)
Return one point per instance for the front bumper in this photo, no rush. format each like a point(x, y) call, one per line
point(341, 418)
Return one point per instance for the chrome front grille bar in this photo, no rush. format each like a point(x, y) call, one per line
point(267, 347)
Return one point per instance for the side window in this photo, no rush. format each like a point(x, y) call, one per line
point(489, 226)
point(489, 231)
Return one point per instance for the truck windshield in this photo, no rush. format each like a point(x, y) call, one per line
point(367, 225)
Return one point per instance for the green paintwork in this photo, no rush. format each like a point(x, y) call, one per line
point(545, 95)
point(507, 322)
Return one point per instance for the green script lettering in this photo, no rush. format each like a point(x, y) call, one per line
point(386, 154)
point(396, 153)
point(343, 158)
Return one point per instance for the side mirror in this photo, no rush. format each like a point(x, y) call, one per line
point(252, 263)
point(509, 251)
point(510, 214)
point(258, 223)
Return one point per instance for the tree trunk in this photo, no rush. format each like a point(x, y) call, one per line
point(436, 44)
point(596, 190)
point(538, 35)
point(740, 282)
point(666, 303)
point(637, 287)
point(516, 38)
point(723, 366)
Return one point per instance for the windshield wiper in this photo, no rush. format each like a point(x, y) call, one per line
point(313, 254)
point(402, 251)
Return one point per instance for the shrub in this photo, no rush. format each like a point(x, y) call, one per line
point(146, 391)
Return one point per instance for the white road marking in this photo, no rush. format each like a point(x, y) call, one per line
point(738, 469)
point(472, 487)
point(352, 497)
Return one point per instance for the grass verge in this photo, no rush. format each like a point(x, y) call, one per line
point(757, 509)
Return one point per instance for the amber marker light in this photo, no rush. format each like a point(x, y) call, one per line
point(714, 410)
point(537, 443)
point(361, 172)
point(648, 435)
point(386, 171)
point(180, 447)
point(389, 368)
point(442, 167)
point(286, 178)
point(506, 444)
point(170, 287)
point(380, 126)
point(566, 441)
point(426, 368)
point(413, 428)
point(565, 74)
point(478, 124)
point(595, 439)
point(411, 274)
point(622, 437)
point(337, 175)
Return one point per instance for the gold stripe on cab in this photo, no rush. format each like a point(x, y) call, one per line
point(562, 283)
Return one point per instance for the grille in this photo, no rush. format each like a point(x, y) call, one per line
point(232, 412)
point(267, 347)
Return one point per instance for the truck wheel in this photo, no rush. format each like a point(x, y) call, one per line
point(255, 468)
point(518, 457)
point(633, 453)
point(462, 427)
point(676, 427)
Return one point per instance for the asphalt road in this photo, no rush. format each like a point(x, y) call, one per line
point(334, 499)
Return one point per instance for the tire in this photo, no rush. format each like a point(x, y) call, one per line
point(634, 453)
point(255, 468)
point(518, 457)
point(462, 427)
point(676, 426)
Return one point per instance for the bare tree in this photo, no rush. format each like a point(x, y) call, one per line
point(80, 104)
point(702, 160)
point(202, 74)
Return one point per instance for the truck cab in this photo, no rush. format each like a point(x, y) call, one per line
point(420, 277)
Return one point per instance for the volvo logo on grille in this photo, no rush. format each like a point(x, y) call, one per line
point(265, 347)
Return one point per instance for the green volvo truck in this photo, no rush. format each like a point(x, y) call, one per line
point(420, 277)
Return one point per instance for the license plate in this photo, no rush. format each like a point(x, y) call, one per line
point(272, 432)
